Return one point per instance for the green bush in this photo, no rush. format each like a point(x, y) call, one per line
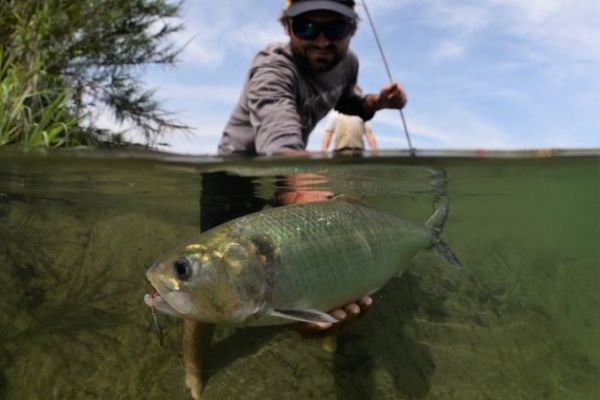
point(61, 61)
point(30, 116)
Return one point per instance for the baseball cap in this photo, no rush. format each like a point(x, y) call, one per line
point(294, 8)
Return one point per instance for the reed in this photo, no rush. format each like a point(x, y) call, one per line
point(31, 116)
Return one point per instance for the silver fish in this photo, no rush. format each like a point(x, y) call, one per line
point(291, 263)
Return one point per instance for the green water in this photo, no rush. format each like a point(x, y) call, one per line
point(520, 321)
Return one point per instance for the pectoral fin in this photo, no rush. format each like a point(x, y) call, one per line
point(306, 315)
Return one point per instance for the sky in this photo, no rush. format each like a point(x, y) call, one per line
point(479, 74)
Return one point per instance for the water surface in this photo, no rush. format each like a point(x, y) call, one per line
point(520, 321)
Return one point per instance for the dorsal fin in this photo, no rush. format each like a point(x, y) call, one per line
point(348, 198)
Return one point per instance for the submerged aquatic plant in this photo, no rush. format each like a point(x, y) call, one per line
point(29, 115)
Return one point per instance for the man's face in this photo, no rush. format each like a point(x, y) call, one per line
point(320, 54)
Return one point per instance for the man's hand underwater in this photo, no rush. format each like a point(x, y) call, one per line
point(346, 315)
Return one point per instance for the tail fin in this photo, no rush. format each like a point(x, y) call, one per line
point(436, 223)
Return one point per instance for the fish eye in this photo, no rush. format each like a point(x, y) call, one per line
point(183, 269)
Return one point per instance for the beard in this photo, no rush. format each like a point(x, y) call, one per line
point(318, 59)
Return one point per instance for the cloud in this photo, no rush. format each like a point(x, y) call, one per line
point(202, 139)
point(447, 50)
point(571, 29)
point(256, 36)
point(198, 48)
point(465, 88)
point(573, 26)
point(454, 128)
point(193, 94)
point(463, 18)
point(216, 30)
point(382, 7)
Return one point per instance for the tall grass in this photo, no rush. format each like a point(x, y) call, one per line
point(30, 116)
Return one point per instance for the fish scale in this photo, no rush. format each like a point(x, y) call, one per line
point(325, 264)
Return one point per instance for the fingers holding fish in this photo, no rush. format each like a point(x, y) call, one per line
point(345, 316)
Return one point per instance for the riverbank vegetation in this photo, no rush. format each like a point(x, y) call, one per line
point(62, 60)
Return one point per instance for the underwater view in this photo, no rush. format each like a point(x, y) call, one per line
point(519, 320)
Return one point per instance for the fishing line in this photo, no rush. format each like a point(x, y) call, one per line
point(389, 73)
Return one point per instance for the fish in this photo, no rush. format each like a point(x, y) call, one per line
point(291, 263)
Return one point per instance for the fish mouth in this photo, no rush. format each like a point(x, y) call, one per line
point(155, 300)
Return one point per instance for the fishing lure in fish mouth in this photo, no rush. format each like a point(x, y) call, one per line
point(154, 323)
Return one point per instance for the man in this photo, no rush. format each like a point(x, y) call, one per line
point(289, 88)
point(349, 132)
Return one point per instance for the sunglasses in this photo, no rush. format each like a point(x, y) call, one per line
point(309, 30)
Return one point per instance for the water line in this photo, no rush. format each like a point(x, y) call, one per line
point(389, 73)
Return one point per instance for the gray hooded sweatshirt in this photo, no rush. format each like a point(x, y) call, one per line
point(282, 102)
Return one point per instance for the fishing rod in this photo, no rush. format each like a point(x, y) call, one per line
point(413, 152)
